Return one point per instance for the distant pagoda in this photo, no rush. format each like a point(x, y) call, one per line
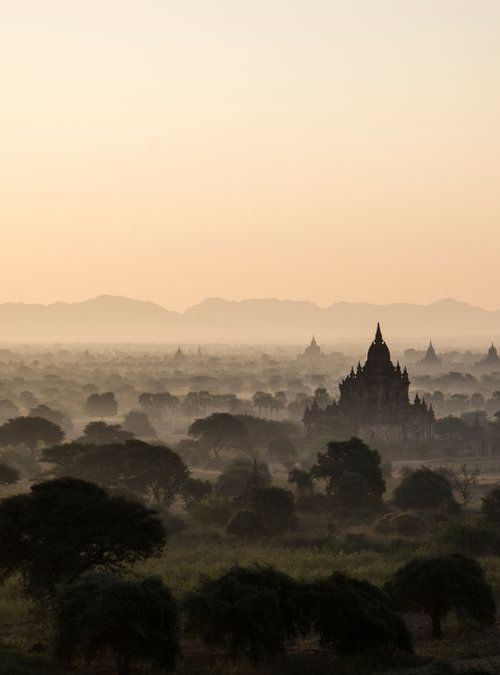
point(374, 402)
point(491, 359)
point(313, 351)
point(430, 358)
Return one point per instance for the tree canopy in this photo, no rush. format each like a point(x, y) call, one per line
point(65, 527)
point(154, 471)
point(352, 457)
point(436, 586)
point(30, 431)
point(247, 612)
point(136, 621)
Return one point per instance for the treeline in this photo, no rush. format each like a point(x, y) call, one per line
point(70, 542)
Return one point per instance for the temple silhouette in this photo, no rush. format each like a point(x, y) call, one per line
point(374, 402)
point(431, 358)
point(491, 359)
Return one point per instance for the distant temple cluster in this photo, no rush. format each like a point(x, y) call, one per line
point(374, 402)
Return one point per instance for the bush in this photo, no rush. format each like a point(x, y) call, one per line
point(423, 489)
point(473, 539)
point(134, 620)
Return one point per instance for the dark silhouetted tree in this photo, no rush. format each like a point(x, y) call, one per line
point(436, 586)
point(55, 416)
point(351, 457)
point(65, 527)
point(136, 621)
point(218, 432)
point(423, 489)
point(247, 612)
point(33, 432)
point(354, 617)
point(101, 433)
point(154, 471)
point(101, 405)
point(138, 423)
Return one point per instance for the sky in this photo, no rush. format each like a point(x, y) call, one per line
point(324, 150)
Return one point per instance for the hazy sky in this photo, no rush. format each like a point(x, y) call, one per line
point(172, 150)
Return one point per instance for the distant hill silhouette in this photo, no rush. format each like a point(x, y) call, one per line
point(117, 319)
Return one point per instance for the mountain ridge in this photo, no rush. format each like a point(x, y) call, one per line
point(117, 318)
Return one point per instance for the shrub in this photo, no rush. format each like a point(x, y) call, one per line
point(474, 539)
point(423, 489)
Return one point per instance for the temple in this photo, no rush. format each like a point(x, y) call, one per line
point(491, 358)
point(430, 358)
point(374, 402)
point(313, 351)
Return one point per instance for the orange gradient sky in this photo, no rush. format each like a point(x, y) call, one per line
point(327, 150)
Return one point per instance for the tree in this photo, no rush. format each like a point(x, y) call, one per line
point(158, 405)
point(8, 475)
point(247, 612)
point(30, 431)
point(134, 620)
point(463, 481)
point(350, 492)
point(436, 586)
point(490, 507)
point(54, 416)
point(423, 489)
point(65, 527)
point(352, 457)
point(238, 477)
point(101, 405)
point(154, 471)
point(101, 433)
point(219, 431)
point(354, 617)
point(138, 424)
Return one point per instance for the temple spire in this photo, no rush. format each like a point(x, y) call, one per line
point(378, 335)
